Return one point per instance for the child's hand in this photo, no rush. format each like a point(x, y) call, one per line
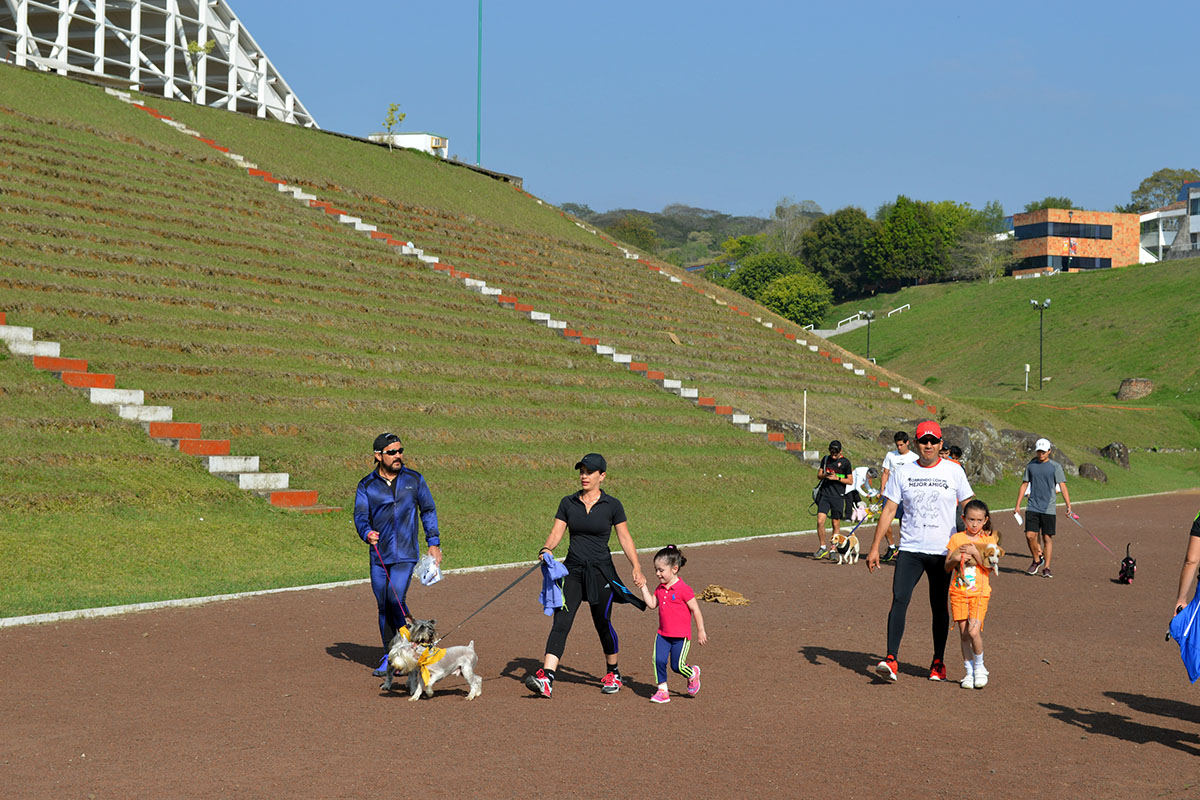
point(701, 636)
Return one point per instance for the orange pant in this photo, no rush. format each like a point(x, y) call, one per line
point(967, 606)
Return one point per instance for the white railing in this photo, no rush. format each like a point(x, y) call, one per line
point(901, 308)
point(849, 319)
point(808, 327)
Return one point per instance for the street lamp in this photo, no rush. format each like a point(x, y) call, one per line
point(1070, 239)
point(868, 316)
point(1041, 307)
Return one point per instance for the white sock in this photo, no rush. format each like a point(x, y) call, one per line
point(969, 667)
point(979, 661)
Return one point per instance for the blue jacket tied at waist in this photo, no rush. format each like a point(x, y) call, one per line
point(392, 510)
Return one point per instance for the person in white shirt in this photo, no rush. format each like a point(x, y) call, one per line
point(930, 489)
point(891, 462)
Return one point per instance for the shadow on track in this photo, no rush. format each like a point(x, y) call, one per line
point(1122, 727)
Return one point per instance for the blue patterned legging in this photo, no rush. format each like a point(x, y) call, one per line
point(674, 648)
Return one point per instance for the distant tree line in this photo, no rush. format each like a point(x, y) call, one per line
point(800, 260)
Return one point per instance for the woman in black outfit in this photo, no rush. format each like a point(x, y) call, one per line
point(590, 515)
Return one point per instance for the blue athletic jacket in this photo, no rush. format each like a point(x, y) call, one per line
point(392, 510)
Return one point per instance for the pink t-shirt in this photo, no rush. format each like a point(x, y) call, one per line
point(674, 616)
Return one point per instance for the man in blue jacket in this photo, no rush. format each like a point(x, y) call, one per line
point(386, 506)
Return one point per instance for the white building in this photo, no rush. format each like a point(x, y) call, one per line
point(425, 142)
point(192, 50)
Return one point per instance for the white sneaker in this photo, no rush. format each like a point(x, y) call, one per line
point(968, 682)
point(981, 677)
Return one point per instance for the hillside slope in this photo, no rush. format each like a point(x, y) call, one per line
point(159, 260)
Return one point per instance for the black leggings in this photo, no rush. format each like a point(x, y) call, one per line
point(572, 588)
point(909, 567)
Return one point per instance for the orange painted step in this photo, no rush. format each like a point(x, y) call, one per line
point(793, 447)
point(292, 498)
point(2, 322)
point(775, 437)
point(55, 364)
point(505, 298)
point(744, 313)
point(440, 267)
point(823, 353)
point(571, 333)
point(919, 401)
point(724, 411)
point(380, 235)
point(836, 360)
point(883, 385)
point(204, 447)
point(638, 366)
point(590, 341)
point(174, 430)
point(523, 307)
point(931, 409)
point(790, 336)
point(254, 173)
point(655, 376)
point(89, 380)
point(706, 401)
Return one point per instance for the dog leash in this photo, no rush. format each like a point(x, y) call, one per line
point(1075, 518)
point(388, 578)
point(522, 577)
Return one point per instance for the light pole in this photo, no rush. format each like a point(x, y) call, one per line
point(1070, 240)
point(1041, 307)
point(868, 316)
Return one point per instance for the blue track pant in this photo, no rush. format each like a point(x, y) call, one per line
point(672, 648)
point(390, 599)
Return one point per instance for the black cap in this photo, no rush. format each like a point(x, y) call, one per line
point(835, 446)
point(383, 440)
point(592, 462)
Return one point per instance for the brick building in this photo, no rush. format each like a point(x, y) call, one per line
point(1057, 239)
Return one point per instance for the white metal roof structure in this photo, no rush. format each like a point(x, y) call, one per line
point(154, 46)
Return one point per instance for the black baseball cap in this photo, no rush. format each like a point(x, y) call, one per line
point(835, 446)
point(592, 462)
point(383, 440)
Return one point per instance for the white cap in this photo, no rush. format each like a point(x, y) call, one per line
point(1042, 444)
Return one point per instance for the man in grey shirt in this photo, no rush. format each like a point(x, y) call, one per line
point(1042, 477)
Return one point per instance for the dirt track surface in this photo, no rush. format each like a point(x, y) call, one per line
point(273, 695)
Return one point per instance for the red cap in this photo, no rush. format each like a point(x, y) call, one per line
point(929, 428)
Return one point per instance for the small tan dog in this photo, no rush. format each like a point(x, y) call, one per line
point(992, 552)
point(845, 547)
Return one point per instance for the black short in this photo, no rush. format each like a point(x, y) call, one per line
point(833, 506)
point(1037, 522)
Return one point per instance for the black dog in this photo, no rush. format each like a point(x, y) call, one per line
point(1128, 567)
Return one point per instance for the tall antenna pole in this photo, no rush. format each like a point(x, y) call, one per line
point(479, 89)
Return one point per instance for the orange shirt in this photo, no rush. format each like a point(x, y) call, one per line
point(972, 579)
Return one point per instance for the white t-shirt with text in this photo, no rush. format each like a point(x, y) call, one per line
point(930, 496)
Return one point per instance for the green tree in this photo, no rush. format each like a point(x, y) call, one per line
point(801, 297)
point(981, 254)
point(755, 272)
point(835, 248)
point(393, 120)
point(195, 52)
point(581, 210)
point(789, 221)
point(738, 247)
point(913, 241)
point(1050, 202)
point(1158, 190)
point(637, 230)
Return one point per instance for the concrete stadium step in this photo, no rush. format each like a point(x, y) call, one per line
point(205, 447)
point(112, 397)
point(293, 498)
point(232, 464)
point(89, 380)
point(256, 481)
point(16, 333)
point(27, 348)
point(58, 364)
point(173, 430)
point(140, 413)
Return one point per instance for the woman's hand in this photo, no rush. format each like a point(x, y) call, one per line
point(639, 580)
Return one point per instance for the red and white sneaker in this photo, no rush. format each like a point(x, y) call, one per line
point(694, 681)
point(539, 684)
point(937, 670)
point(888, 669)
point(661, 696)
point(610, 683)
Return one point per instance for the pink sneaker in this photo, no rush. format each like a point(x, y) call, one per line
point(661, 696)
point(694, 681)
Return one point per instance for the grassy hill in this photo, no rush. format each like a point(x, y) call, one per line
point(972, 340)
point(157, 259)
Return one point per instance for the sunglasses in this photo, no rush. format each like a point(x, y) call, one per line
point(928, 440)
point(395, 452)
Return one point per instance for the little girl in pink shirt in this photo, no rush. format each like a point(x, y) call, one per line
point(676, 604)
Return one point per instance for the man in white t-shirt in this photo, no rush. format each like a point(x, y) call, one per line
point(930, 489)
point(891, 462)
point(859, 488)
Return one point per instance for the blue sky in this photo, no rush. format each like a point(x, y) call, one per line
point(732, 106)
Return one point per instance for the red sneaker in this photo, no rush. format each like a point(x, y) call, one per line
point(888, 669)
point(937, 670)
point(539, 684)
point(610, 683)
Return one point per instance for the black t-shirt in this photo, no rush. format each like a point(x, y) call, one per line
point(841, 467)
point(589, 532)
point(1196, 526)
